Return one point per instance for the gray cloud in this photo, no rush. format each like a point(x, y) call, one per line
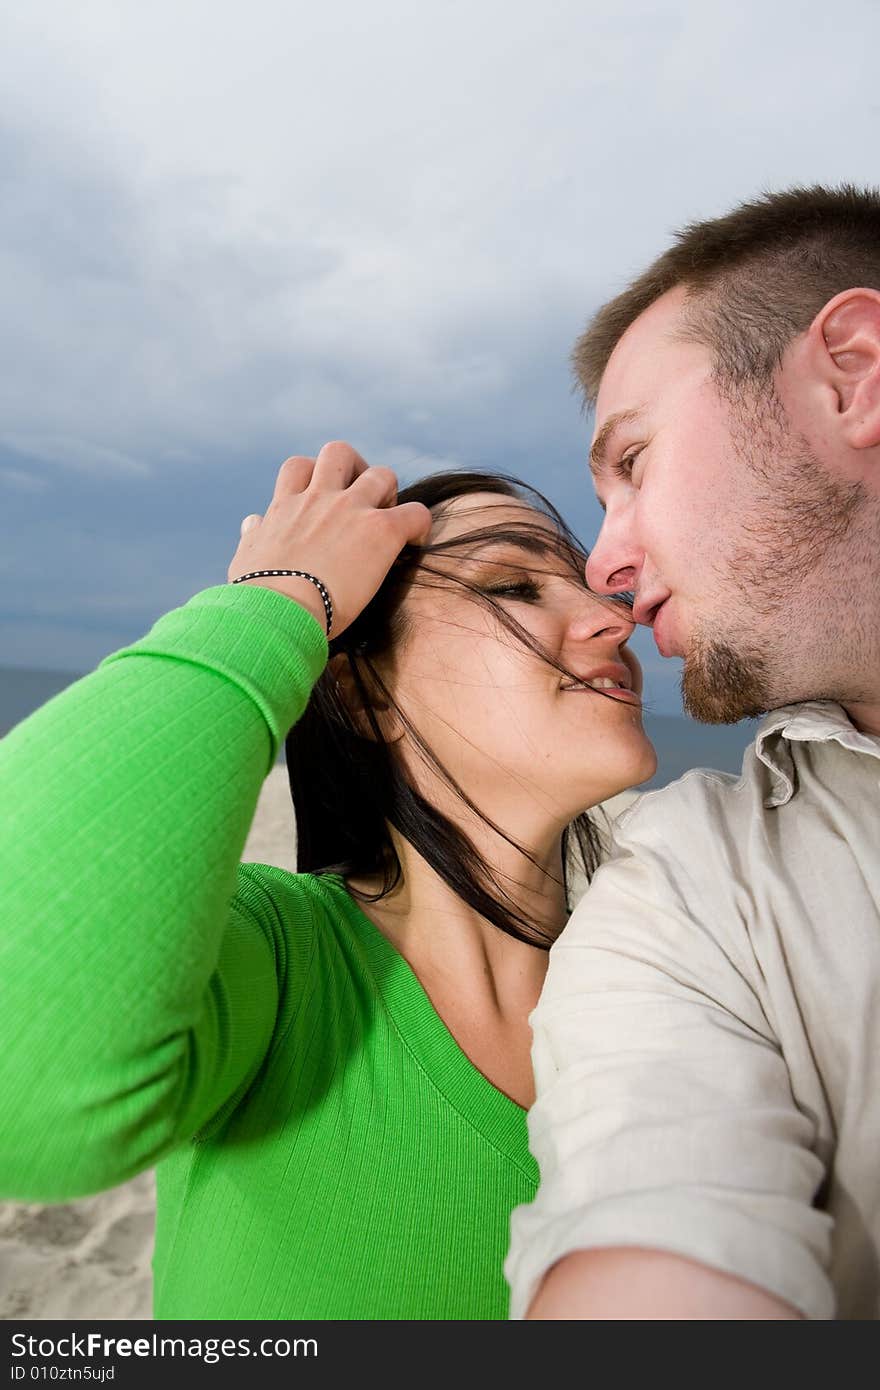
point(233, 234)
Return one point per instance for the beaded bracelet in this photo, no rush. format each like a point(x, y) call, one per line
point(296, 574)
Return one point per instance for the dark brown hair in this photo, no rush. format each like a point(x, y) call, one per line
point(347, 784)
point(755, 278)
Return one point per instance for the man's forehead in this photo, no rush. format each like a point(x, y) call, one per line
point(661, 317)
point(639, 353)
point(654, 325)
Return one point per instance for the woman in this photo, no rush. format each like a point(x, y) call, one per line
point(331, 1068)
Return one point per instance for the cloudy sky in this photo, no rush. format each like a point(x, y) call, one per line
point(234, 231)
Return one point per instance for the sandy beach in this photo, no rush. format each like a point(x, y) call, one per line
point(90, 1259)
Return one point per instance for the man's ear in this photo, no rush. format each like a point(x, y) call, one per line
point(846, 335)
point(361, 694)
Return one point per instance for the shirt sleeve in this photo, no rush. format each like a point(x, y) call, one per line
point(664, 1116)
point(140, 965)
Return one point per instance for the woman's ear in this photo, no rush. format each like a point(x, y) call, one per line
point(357, 689)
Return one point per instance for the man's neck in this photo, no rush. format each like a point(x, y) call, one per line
point(865, 715)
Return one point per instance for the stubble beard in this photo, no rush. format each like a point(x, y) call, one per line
point(721, 685)
point(800, 522)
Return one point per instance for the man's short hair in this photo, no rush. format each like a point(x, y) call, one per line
point(755, 279)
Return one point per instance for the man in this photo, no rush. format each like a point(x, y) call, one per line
point(707, 1044)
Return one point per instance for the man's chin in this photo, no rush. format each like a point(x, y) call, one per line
point(718, 686)
point(713, 708)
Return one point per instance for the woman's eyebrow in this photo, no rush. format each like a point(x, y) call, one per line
point(533, 545)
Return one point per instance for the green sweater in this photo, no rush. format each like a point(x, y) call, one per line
point(324, 1147)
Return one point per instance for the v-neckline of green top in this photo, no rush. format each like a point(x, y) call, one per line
point(430, 1042)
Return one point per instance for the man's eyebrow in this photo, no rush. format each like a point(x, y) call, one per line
point(600, 443)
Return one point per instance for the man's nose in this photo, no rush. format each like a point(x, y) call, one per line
point(611, 568)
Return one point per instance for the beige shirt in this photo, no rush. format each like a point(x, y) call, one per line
point(707, 1043)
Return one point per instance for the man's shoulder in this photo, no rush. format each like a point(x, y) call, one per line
point(680, 842)
point(765, 763)
point(699, 799)
point(673, 892)
point(705, 797)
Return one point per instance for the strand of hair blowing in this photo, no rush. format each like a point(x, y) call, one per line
point(346, 784)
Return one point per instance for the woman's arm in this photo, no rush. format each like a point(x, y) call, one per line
point(127, 800)
point(138, 992)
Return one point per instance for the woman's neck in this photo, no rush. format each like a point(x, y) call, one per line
point(455, 950)
point(482, 982)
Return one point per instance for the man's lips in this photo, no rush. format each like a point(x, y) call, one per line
point(650, 610)
point(662, 635)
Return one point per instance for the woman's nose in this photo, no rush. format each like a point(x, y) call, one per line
point(602, 617)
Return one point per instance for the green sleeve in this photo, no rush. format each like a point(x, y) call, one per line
point(139, 966)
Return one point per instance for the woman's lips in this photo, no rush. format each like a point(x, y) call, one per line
point(617, 692)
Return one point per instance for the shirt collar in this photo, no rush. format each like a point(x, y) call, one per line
point(813, 721)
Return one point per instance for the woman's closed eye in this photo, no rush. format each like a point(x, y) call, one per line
point(525, 589)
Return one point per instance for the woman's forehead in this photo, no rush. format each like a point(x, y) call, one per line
point(480, 511)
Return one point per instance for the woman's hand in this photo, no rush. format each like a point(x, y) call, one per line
point(336, 518)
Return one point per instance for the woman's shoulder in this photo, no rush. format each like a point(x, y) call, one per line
point(304, 919)
point(289, 899)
